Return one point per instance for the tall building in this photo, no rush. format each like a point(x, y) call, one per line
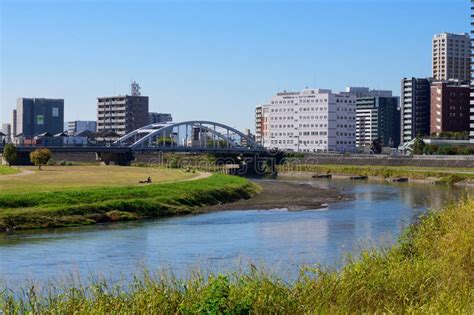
point(159, 118)
point(449, 107)
point(313, 120)
point(377, 117)
point(451, 56)
point(121, 114)
point(34, 116)
point(7, 131)
point(77, 126)
point(14, 124)
point(415, 107)
point(258, 124)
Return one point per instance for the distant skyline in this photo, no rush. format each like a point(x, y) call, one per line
point(213, 60)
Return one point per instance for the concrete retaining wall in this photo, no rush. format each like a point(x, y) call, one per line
point(82, 157)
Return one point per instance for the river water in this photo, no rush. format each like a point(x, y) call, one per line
point(277, 239)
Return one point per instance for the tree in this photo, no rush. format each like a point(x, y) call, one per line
point(376, 147)
point(40, 157)
point(418, 146)
point(9, 153)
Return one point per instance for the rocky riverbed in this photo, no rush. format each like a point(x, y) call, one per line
point(284, 194)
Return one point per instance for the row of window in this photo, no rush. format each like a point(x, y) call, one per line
point(313, 125)
point(346, 117)
point(313, 117)
point(281, 118)
point(281, 126)
point(281, 134)
point(345, 126)
point(312, 100)
point(281, 110)
point(345, 134)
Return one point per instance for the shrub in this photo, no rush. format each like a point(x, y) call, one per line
point(9, 153)
point(40, 157)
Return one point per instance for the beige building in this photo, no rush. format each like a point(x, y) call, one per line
point(451, 56)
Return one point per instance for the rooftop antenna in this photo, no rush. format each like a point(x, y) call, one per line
point(135, 88)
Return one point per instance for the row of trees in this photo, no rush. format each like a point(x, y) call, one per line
point(38, 157)
point(420, 147)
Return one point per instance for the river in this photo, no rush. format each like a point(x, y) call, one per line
point(225, 240)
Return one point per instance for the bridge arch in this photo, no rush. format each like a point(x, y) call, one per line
point(197, 134)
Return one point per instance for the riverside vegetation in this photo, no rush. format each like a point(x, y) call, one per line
point(430, 270)
point(84, 206)
point(444, 175)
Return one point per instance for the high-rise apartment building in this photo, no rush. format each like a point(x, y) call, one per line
point(7, 131)
point(313, 120)
point(451, 56)
point(159, 118)
point(258, 124)
point(14, 124)
point(377, 117)
point(77, 126)
point(121, 114)
point(415, 107)
point(449, 107)
point(34, 116)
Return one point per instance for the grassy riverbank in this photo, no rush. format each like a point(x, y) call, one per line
point(5, 170)
point(84, 206)
point(430, 270)
point(446, 175)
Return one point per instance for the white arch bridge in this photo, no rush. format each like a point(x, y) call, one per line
point(189, 136)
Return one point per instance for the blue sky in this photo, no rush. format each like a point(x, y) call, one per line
point(213, 60)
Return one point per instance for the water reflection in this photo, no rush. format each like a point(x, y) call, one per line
point(221, 240)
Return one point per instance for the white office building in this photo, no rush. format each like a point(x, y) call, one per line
point(313, 120)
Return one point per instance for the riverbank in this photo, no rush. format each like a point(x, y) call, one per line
point(414, 174)
point(86, 206)
point(287, 195)
point(430, 270)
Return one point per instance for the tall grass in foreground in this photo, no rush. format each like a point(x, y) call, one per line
point(430, 270)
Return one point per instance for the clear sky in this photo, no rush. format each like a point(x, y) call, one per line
point(213, 60)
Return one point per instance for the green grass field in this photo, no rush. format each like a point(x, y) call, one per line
point(54, 178)
point(429, 271)
point(22, 206)
point(5, 170)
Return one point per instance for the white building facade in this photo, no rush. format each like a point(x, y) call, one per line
point(313, 120)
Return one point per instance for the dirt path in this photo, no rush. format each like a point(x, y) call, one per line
point(22, 173)
point(201, 175)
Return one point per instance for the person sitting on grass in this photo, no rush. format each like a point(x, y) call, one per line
point(147, 181)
